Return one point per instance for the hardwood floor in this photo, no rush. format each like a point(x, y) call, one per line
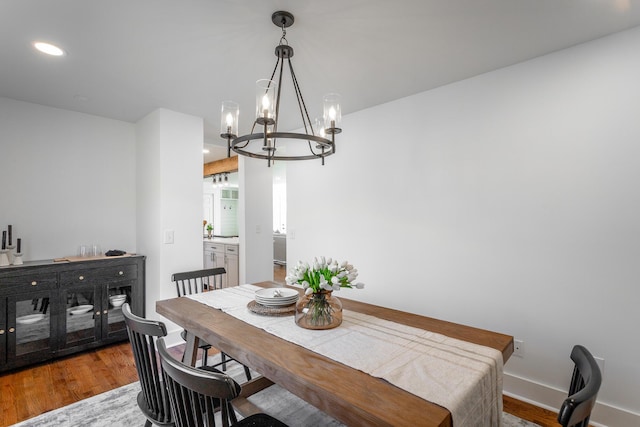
point(32, 391)
point(279, 273)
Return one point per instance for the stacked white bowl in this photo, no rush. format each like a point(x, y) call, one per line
point(117, 300)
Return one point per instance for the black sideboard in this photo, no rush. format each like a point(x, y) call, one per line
point(52, 309)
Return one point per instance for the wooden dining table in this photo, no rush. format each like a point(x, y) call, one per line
point(351, 396)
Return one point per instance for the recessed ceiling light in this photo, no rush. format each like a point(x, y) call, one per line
point(205, 151)
point(48, 48)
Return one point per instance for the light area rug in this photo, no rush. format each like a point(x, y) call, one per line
point(118, 408)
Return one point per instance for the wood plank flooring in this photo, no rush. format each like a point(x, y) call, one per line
point(32, 391)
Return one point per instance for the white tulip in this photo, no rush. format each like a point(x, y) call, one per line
point(327, 287)
point(344, 264)
point(359, 285)
point(309, 291)
point(328, 261)
point(335, 280)
point(305, 284)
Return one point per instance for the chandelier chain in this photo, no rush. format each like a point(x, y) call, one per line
point(284, 36)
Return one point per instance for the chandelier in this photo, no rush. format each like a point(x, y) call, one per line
point(262, 142)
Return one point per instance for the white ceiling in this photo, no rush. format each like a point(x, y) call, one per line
point(126, 58)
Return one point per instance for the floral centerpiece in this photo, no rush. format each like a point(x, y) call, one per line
point(319, 309)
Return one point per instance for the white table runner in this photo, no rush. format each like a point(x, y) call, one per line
point(463, 377)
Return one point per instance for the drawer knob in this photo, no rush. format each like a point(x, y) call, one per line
point(120, 273)
point(34, 283)
point(98, 313)
point(81, 278)
point(12, 330)
point(1, 331)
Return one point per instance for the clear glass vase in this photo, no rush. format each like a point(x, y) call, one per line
point(319, 310)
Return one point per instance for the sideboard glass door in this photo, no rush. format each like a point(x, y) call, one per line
point(115, 296)
point(31, 337)
point(82, 315)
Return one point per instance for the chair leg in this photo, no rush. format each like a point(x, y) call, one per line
point(223, 357)
point(247, 372)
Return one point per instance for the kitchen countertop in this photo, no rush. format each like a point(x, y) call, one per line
point(223, 240)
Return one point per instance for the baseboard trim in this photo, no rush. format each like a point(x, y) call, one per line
point(550, 398)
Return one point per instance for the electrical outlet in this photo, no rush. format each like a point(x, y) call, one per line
point(168, 237)
point(518, 348)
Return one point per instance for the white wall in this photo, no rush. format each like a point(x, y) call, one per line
point(508, 201)
point(66, 179)
point(169, 180)
point(255, 219)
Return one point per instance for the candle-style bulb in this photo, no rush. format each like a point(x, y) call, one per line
point(265, 102)
point(229, 120)
point(332, 113)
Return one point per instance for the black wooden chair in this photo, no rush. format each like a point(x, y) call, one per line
point(585, 384)
point(196, 395)
point(194, 282)
point(153, 400)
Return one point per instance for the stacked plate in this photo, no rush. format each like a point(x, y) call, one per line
point(276, 297)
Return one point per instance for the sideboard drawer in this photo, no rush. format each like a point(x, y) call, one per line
point(99, 275)
point(28, 282)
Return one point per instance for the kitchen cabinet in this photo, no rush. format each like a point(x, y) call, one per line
point(213, 255)
point(49, 309)
point(232, 265)
point(223, 255)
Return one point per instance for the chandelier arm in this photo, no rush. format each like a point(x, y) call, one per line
point(281, 62)
point(302, 106)
point(274, 69)
point(253, 128)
